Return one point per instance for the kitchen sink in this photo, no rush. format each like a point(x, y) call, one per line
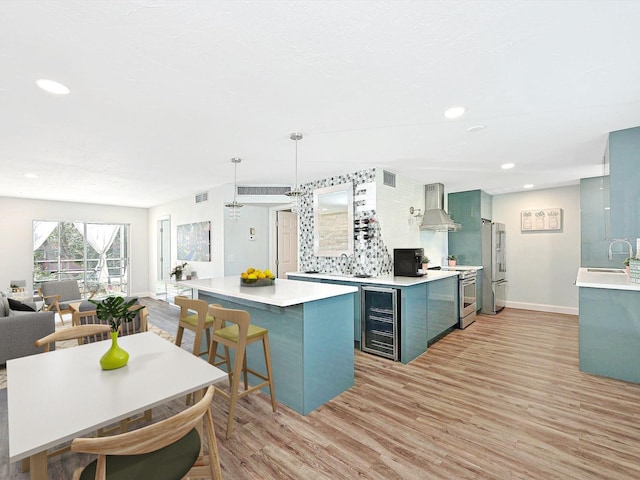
point(606, 270)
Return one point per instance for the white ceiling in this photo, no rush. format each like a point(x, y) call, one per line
point(165, 93)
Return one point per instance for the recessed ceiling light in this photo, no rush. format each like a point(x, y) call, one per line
point(454, 112)
point(31, 175)
point(507, 166)
point(53, 87)
point(528, 185)
point(476, 128)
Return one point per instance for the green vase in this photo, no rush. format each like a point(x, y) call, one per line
point(115, 357)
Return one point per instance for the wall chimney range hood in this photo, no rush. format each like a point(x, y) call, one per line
point(434, 217)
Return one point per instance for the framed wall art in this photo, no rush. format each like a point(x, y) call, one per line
point(541, 219)
point(194, 242)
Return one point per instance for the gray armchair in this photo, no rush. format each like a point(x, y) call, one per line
point(59, 294)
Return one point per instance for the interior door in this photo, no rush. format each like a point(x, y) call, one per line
point(164, 255)
point(287, 239)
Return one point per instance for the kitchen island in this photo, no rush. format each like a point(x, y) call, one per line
point(428, 305)
point(310, 334)
point(609, 323)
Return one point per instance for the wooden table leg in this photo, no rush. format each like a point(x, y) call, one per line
point(38, 466)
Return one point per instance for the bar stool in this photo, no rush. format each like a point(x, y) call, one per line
point(198, 323)
point(238, 336)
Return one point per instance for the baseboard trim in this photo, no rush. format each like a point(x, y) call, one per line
point(543, 308)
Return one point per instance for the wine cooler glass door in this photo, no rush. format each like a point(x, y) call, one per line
point(380, 321)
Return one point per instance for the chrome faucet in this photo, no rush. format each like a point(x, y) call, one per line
point(347, 269)
point(620, 240)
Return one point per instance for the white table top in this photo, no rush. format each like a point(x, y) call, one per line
point(283, 294)
point(389, 280)
point(615, 281)
point(57, 396)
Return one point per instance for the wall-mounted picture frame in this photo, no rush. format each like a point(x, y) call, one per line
point(194, 242)
point(541, 219)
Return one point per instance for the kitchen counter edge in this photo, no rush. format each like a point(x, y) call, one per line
point(613, 281)
point(388, 280)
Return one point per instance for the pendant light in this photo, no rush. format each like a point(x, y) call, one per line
point(234, 207)
point(296, 193)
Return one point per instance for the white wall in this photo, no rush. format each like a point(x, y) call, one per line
point(16, 240)
point(542, 266)
point(399, 228)
point(181, 212)
point(240, 252)
point(231, 250)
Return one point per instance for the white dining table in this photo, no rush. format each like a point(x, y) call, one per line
point(57, 396)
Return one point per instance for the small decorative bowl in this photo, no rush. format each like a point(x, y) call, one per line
point(261, 282)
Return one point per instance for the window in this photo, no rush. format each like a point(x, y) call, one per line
point(94, 254)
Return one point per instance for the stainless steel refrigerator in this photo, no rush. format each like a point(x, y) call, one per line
point(494, 263)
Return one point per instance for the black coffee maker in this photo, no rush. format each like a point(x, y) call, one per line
point(407, 262)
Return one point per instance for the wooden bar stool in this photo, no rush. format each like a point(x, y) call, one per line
point(198, 323)
point(238, 336)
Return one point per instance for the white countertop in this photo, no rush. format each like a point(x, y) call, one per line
point(463, 267)
point(283, 294)
point(614, 281)
point(388, 280)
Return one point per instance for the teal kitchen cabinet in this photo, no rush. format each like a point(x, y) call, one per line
point(468, 209)
point(428, 310)
point(609, 337)
point(595, 224)
point(357, 330)
point(624, 165)
point(442, 308)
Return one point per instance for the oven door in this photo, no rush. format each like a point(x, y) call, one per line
point(468, 301)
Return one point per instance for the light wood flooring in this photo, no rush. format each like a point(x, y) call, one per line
point(502, 399)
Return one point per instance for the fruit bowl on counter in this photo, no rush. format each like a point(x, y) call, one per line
point(261, 282)
point(257, 278)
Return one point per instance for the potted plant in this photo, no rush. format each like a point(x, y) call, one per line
point(425, 262)
point(452, 260)
point(178, 271)
point(115, 310)
point(626, 264)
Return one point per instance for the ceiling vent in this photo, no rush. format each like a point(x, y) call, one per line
point(389, 179)
point(202, 197)
point(434, 217)
point(262, 190)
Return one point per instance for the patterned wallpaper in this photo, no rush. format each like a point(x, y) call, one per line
point(370, 256)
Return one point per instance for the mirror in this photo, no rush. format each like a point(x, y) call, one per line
point(333, 220)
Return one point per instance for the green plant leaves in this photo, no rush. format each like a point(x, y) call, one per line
point(115, 310)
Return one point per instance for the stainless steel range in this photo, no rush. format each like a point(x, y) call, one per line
point(468, 296)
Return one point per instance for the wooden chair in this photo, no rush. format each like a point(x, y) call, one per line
point(80, 332)
point(57, 295)
point(238, 336)
point(89, 317)
point(198, 323)
point(169, 449)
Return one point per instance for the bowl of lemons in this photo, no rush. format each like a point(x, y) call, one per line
point(252, 277)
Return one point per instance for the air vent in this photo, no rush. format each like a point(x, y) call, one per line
point(262, 190)
point(202, 197)
point(389, 179)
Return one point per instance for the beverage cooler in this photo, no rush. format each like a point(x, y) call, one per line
point(380, 321)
